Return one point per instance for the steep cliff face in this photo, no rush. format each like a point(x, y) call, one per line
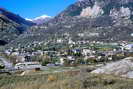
point(96, 7)
point(93, 20)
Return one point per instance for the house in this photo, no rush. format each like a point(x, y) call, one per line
point(71, 58)
point(87, 52)
point(59, 40)
point(76, 51)
point(129, 47)
point(15, 53)
point(90, 57)
point(8, 52)
point(20, 58)
point(50, 65)
point(71, 42)
point(62, 60)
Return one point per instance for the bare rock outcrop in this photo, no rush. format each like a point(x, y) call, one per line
point(122, 68)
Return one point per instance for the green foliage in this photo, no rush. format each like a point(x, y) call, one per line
point(66, 62)
point(118, 57)
point(91, 61)
point(80, 61)
point(45, 62)
point(103, 47)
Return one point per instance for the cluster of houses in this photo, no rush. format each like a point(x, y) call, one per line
point(72, 55)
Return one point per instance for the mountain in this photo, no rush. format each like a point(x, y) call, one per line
point(91, 20)
point(40, 20)
point(11, 26)
point(16, 18)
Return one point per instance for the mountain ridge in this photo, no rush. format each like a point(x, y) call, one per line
point(109, 21)
point(11, 26)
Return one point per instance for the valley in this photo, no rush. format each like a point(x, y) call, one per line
point(89, 45)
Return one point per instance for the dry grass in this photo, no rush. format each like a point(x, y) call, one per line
point(65, 81)
point(51, 78)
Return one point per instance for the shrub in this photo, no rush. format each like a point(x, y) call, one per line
point(51, 78)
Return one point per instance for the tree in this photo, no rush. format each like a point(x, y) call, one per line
point(44, 59)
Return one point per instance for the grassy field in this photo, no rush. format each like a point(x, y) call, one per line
point(65, 80)
point(59, 69)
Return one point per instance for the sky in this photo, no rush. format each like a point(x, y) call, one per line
point(34, 8)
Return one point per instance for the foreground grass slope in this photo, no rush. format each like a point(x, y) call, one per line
point(67, 80)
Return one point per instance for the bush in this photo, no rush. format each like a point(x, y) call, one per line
point(91, 60)
point(51, 78)
point(45, 62)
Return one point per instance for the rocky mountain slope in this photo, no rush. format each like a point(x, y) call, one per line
point(11, 26)
point(93, 20)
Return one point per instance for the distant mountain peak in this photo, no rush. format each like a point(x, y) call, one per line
point(40, 20)
point(42, 17)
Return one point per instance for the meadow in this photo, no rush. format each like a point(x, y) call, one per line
point(65, 80)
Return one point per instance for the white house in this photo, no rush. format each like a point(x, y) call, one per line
point(71, 58)
point(87, 52)
point(15, 53)
point(129, 47)
point(62, 60)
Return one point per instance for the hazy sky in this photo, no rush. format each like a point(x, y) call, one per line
point(34, 8)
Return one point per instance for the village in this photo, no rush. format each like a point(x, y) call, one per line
point(92, 53)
